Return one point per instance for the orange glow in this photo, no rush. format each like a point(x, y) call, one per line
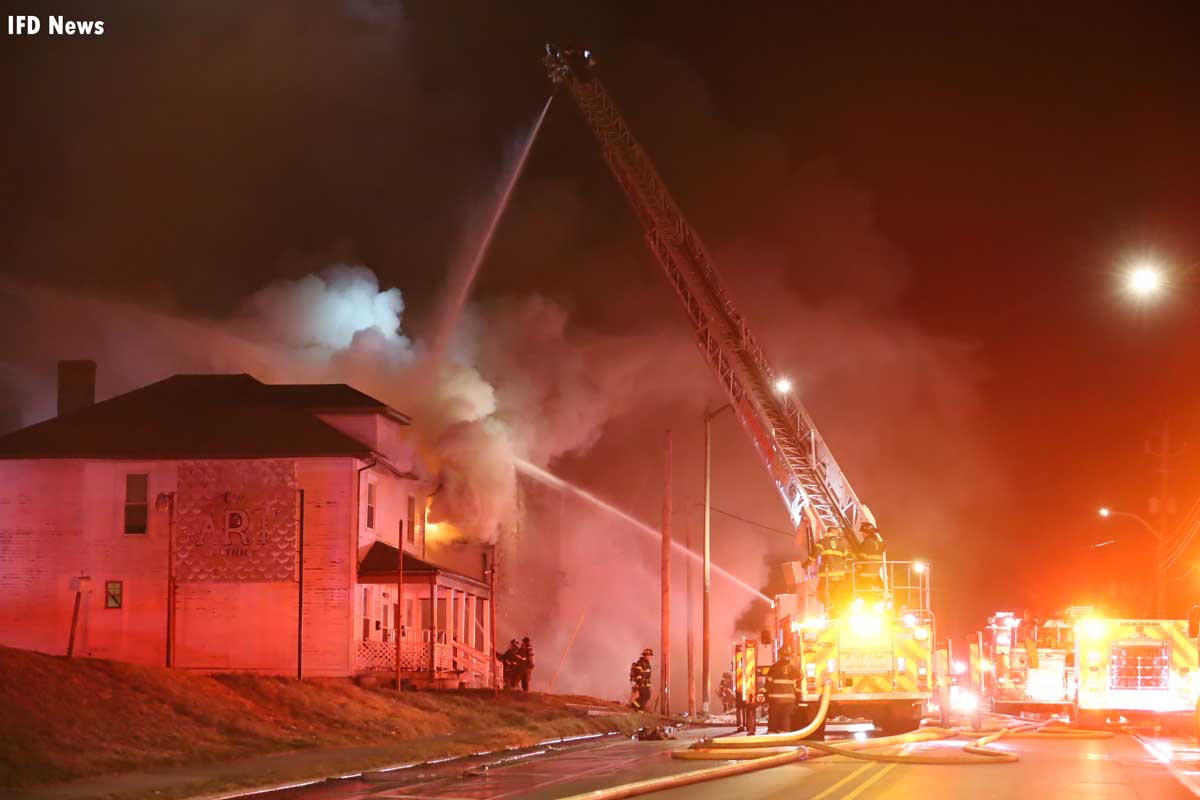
point(443, 533)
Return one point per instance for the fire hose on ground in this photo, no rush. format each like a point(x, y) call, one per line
point(754, 753)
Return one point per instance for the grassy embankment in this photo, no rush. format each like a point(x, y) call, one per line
point(67, 720)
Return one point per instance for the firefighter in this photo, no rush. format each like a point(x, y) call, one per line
point(833, 563)
point(1027, 635)
point(509, 660)
point(524, 670)
point(639, 676)
point(725, 692)
point(781, 692)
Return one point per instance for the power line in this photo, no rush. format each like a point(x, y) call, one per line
point(731, 515)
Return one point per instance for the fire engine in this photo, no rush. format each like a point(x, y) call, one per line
point(856, 619)
point(1041, 678)
point(877, 653)
point(1134, 667)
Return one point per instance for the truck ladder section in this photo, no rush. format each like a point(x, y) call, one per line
point(817, 495)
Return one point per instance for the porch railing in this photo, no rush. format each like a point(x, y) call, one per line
point(415, 655)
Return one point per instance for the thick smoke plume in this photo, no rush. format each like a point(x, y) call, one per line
point(511, 386)
point(572, 354)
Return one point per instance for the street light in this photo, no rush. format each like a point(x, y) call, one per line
point(1159, 553)
point(1108, 512)
point(1144, 279)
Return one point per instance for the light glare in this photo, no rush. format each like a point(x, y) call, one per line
point(783, 385)
point(1144, 279)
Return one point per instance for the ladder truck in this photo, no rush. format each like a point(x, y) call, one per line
point(854, 620)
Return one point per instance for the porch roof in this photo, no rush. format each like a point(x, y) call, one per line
point(380, 564)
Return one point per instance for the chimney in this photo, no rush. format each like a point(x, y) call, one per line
point(76, 386)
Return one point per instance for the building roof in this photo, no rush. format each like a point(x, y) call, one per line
point(380, 562)
point(331, 397)
point(381, 559)
point(201, 416)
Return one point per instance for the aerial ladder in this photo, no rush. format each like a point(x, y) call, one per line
point(815, 491)
point(846, 568)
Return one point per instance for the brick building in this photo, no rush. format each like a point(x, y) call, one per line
point(213, 522)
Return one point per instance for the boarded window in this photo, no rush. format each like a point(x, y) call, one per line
point(370, 506)
point(113, 594)
point(136, 507)
point(412, 519)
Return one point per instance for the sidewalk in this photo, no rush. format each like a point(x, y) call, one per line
point(297, 766)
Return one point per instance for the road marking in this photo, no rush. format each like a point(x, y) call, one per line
point(842, 782)
point(1164, 758)
point(862, 787)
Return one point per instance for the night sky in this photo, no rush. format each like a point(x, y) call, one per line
point(979, 176)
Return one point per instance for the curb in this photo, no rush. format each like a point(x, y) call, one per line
point(512, 753)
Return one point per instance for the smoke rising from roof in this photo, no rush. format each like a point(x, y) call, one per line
point(572, 356)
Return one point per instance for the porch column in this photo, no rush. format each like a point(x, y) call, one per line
point(473, 636)
point(487, 626)
point(466, 637)
point(433, 625)
point(451, 627)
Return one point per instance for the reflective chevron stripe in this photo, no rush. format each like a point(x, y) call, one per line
point(915, 655)
point(1183, 649)
point(872, 683)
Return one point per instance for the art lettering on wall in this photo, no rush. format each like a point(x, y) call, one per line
point(236, 521)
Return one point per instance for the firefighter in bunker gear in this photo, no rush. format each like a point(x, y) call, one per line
point(509, 660)
point(781, 693)
point(524, 670)
point(725, 692)
point(639, 676)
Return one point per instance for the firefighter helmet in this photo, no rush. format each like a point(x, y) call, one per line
point(647, 652)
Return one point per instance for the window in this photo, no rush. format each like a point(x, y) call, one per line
point(412, 519)
point(370, 506)
point(113, 594)
point(136, 508)
point(366, 613)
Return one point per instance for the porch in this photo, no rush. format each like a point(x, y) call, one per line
point(430, 623)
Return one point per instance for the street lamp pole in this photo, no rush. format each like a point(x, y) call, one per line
point(1159, 554)
point(1160, 579)
point(706, 652)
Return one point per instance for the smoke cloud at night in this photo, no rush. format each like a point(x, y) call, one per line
point(571, 353)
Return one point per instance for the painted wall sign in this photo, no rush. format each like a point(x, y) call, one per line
point(236, 521)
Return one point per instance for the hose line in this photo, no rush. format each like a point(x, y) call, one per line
point(754, 753)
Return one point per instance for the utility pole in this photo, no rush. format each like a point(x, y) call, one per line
point(664, 694)
point(705, 618)
point(691, 626)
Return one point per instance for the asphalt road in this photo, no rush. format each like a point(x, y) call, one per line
point(1121, 767)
